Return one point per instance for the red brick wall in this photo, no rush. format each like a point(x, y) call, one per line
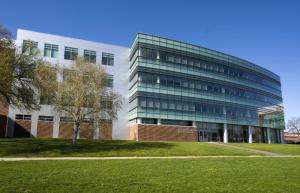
point(106, 132)
point(86, 131)
point(45, 129)
point(144, 132)
point(134, 132)
point(66, 130)
point(22, 128)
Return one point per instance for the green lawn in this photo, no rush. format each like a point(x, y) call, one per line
point(60, 147)
point(191, 175)
point(284, 149)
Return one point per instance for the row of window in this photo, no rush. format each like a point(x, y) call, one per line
point(204, 65)
point(203, 108)
point(46, 118)
point(167, 122)
point(175, 82)
point(86, 120)
point(23, 117)
point(108, 79)
point(46, 100)
point(70, 53)
point(28, 117)
point(50, 118)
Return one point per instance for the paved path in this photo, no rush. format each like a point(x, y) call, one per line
point(250, 149)
point(133, 158)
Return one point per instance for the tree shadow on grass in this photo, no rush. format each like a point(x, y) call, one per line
point(61, 147)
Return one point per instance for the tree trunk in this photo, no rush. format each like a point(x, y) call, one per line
point(75, 132)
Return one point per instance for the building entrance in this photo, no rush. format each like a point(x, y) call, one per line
point(209, 132)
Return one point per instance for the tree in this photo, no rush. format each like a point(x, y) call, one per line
point(293, 125)
point(18, 72)
point(83, 95)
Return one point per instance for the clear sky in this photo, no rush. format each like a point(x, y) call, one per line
point(266, 32)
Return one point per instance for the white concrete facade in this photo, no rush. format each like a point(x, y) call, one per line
point(119, 71)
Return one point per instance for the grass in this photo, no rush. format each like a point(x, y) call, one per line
point(284, 149)
point(191, 175)
point(61, 147)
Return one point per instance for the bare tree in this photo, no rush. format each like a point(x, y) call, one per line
point(293, 125)
point(83, 95)
point(18, 72)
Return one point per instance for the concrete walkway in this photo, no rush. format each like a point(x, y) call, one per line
point(250, 149)
point(140, 158)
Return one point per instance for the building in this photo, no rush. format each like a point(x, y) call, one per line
point(173, 91)
point(62, 50)
point(291, 137)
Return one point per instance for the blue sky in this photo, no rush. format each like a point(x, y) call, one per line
point(262, 31)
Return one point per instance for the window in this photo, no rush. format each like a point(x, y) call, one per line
point(23, 117)
point(143, 103)
point(170, 58)
point(66, 119)
point(45, 100)
point(46, 118)
point(221, 69)
point(51, 50)
point(184, 61)
point(192, 107)
point(148, 79)
point(185, 107)
point(176, 122)
point(191, 62)
point(157, 105)
point(90, 56)
point(109, 81)
point(29, 47)
point(71, 53)
point(67, 74)
point(164, 105)
point(192, 85)
point(107, 59)
point(106, 103)
point(150, 104)
point(172, 106)
point(197, 64)
point(177, 83)
point(198, 86)
point(179, 107)
point(148, 53)
point(149, 121)
point(178, 60)
point(185, 84)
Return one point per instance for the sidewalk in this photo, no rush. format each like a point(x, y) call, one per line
point(141, 158)
point(250, 149)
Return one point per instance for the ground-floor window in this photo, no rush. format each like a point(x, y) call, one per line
point(237, 133)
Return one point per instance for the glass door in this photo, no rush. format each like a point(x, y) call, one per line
point(202, 136)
